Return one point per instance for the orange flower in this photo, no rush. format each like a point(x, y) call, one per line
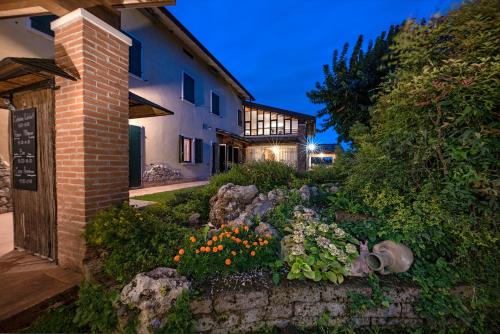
point(246, 228)
point(266, 242)
point(214, 238)
point(252, 253)
point(177, 258)
point(193, 239)
point(207, 249)
point(181, 251)
point(202, 249)
point(238, 240)
point(255, 243)
point(197, 251)
point(209, 242)
point(228, 262)
point(222, 226)
point(233, 253)
point(247, 246)
point(220, 247)
point(260, 239)
point(214, 249)
point(236, 231)
point(245, 242)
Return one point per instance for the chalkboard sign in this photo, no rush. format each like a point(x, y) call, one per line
point(24, 162)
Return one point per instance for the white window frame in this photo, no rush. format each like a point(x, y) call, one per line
point(182, 87)
point(191, 155)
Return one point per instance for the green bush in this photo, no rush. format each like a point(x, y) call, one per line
point(95, 309)
point(58, 320)
point(231, 250)
point(427, 166)
point(179, 319)
point(266, 175)
point(137, 241)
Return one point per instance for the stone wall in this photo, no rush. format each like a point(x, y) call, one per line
point(300, 305)
point(5, 193)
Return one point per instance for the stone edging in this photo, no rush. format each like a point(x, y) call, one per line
point(300, 305)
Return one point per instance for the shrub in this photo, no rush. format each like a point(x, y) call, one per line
point(58, 320)
point(317, 251)
point(95, 309)
point(179, 319)
point(280, 216)
point(266, 175)
point(230, 250)
point(137, 241)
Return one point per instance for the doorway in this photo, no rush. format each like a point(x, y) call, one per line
point(135, 156)
point(32, 126)
point(222, 158)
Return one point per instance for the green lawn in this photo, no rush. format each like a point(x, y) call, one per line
point(167, 195)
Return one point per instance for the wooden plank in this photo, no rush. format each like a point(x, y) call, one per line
point(35, 211)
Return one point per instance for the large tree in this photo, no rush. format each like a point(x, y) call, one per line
point(350, 85)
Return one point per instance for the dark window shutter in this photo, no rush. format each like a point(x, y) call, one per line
point(198, 150)
point(240, 117)
point(181, 149)
point(135, 57)
point(215, 104)
point(188, 88)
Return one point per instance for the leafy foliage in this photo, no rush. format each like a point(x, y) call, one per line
point(95, 309)
point(230, 250)
point(317, 251)
point(58, 320)
point(350, 86)
point(137, 241)
point(179, 319)
point(427, 164)
point(266, 175)
point(359, 303)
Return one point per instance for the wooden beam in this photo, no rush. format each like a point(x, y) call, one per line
point(141, 3)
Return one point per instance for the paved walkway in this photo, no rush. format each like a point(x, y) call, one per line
point(161, 189)
point(30, 284)
point(6, 233)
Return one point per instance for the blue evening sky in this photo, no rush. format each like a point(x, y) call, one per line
point(277, 48)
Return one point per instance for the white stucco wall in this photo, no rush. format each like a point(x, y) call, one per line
point(17, 39)
point(163, 64)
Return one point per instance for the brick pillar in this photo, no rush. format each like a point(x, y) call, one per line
point(91, 116)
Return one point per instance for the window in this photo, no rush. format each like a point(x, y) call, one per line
point(188, 88)
point(240, 117)
point(264, 123)
point(185, 149)
point(42, 23)
point(215, 104)
point(135, 57)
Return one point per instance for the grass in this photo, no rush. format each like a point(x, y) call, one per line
point(167, 196)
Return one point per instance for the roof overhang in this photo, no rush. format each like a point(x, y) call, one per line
point(15, 8)
point(222, 132)
point(18, 73)
point(194, 45)
point(140, 107)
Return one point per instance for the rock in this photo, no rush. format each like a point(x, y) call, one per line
point(305, 192)
point(266, 230)
point(194, 218)
point(5, 193)
point(229, 202)
point(153, 293)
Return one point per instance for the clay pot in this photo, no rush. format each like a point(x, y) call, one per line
point(390, 257)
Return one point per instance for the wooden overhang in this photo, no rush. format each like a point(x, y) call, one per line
point(231, 135)
point(24, 73)
point(140, 107)
point(15, 8)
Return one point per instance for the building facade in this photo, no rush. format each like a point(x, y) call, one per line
point(212, 123)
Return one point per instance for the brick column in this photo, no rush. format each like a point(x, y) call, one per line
point(91, 116)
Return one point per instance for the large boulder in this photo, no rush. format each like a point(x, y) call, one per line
point(259, 208)
point(229, 202)
point(153, 294)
